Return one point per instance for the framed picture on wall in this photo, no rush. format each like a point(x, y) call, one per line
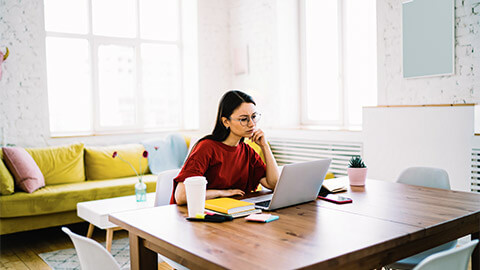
point(428, 38)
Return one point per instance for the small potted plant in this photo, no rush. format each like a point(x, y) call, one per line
point(357, 171)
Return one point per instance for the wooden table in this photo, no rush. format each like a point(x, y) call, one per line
point(386, 222)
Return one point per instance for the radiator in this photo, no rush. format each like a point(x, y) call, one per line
point(475, 170)
point(288, 151)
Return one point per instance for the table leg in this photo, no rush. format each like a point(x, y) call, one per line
point(109, 239)
point(476, 253)
point(90, 230)
point(140, 256)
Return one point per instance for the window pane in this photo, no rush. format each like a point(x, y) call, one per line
point(161, 85)
point(114, 18)
point(159, 19)
point(322, 50)
point(68, 16)
point(360, 58)
point(116, 67)
point(69, 79)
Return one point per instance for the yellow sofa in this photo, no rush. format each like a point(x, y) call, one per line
point(91, 175)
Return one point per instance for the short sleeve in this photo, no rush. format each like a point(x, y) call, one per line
point(195, 165)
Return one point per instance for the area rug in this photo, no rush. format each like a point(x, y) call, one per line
point(66, 259)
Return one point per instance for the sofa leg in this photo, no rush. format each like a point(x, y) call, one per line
point(90, 230)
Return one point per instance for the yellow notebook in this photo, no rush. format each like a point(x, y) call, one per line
point(228, 205)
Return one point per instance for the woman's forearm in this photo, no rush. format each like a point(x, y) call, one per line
point(271, 166)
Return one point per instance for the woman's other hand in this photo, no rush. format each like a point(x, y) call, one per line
point(231, 192)
point(259, 138)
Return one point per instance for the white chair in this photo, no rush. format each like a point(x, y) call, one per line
point(163, 193)
point(91, 254)
point(426, 177)
point(456, 258)
point(164, 189)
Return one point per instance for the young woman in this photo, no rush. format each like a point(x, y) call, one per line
point(231, 166)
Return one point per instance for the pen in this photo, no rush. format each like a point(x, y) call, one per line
point(210, 218)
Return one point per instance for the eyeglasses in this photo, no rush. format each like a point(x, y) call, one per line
point(245, 120)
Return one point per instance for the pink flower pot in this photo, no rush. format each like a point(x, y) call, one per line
point(357, 176)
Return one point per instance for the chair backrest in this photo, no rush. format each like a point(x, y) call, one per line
point(455, 258)
point(425, 176)
point(165, 187)
point(90, 253)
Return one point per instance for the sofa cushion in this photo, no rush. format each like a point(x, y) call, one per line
point(64, 197)
point(257, 148)
point(100, 164)
point(60, 164)
point(7, 184)
point(28, 176)
point(167, 153)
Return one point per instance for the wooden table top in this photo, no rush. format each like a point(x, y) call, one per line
point(383, 217)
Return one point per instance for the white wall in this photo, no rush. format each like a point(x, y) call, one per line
point(214, 58)
point(396, 138)
point(462, 87)
point(269, 29)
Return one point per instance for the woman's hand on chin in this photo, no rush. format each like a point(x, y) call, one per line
point(259, 138)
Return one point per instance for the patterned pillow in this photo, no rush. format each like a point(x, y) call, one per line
point(28, 176)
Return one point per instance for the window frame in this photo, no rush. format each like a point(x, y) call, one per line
point(343, 122)
point(95, 41)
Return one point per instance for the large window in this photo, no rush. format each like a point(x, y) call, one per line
point(339, 75)
point(118, 65)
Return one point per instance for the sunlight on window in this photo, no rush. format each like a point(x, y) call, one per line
point(157, 19)
point(68, 76)
point(115, 18)
point(66, 16)
point(116, 85)
point(340, 75)
point(360, 58)
point(161, 88)
point(322, 60)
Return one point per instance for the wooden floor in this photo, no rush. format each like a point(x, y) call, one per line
point(20, 250)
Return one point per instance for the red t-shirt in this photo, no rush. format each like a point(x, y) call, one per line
point(224, 166)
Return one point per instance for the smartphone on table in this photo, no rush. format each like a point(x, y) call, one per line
point(336, 198)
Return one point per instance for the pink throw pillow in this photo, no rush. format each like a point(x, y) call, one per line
point(26, 172)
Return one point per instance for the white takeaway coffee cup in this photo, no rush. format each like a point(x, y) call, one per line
point(196, 189)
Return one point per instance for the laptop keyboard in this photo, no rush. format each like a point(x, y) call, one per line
point(263, 204)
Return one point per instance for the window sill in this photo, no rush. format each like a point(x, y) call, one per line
point(119, 133)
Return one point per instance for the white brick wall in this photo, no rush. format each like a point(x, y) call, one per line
point(23, 95)
point(462, 87)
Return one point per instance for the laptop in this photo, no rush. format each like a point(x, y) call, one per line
point(298, 183)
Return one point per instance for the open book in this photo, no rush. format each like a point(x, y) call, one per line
point(334, 185)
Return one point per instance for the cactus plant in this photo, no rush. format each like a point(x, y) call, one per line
point(356, 162)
